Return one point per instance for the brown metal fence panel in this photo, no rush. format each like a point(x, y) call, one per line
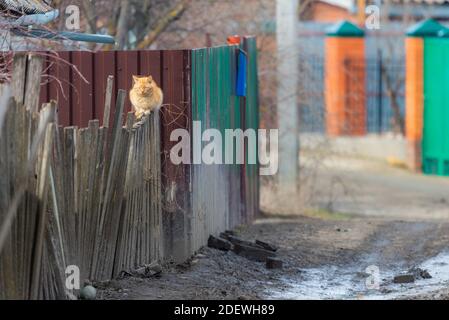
point(60, 89)
point(105, 65)
point(83, 89)
point(44, 92)
point(127, 65)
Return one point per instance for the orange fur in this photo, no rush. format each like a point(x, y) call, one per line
point(145, 95)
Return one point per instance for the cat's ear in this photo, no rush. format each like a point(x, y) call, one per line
point(150, 78)
point(135, 79)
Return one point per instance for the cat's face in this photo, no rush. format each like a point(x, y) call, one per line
point(143, 85)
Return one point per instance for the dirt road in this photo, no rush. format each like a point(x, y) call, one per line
point(355, 214)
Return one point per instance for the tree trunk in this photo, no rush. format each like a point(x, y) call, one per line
point(122, 25)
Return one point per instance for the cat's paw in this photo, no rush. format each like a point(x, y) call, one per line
point(138, 115)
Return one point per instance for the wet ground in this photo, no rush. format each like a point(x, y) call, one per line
point(356, 225)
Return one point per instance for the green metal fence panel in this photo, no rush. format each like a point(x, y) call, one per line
point(223, 191)
point(199, 84)
point(252, 121)
point(435, 144)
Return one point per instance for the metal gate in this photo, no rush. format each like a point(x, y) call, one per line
point(435, 143)
point(382, 94)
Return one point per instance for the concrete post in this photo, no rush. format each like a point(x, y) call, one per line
point(287, 75)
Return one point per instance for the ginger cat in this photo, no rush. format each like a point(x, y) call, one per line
point(145, 96)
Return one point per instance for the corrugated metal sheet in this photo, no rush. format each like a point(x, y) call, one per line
point(223, 195)
point(77, 79)
point(215, 188)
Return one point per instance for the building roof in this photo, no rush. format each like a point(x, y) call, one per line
point(346, 4)
point(352, 4)
point(428, 28)
point(345, 29)
point(433, 2)
point(21, 7)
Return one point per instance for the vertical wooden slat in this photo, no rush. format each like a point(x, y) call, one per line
point(108, 101)
point(33, 79)
point(107, 231)
point(19, 76)
point(42, 210)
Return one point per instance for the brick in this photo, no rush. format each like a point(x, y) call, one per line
point(266, 246)
point(230, 232)
point(274, 263)
point(224, 235)
point(218, 243)
point(404, 278)
point(235, 240)
point(253, 253)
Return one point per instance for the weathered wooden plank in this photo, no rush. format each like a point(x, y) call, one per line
point(19, 76)
point(23, 236)
point(108, 101)
point(42, 218)
point(33, 82)
point(68, 216)
point(107, 231)
point(157, 181)
point(8, 280)
point(122, 257)
point(90, 212)
point(98, 172)
point(52, 284)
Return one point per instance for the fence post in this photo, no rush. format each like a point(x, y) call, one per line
point(287, 76)
point(345, 106)
point(414, 89)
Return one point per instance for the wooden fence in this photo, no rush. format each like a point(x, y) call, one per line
point(91, 198)
point(103, 193)
point(25, 142)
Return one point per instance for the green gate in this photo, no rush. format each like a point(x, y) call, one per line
point(435, 143)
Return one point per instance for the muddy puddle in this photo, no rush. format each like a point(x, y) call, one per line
point(333, 282)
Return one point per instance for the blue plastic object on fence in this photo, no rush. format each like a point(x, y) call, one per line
point(241, 74)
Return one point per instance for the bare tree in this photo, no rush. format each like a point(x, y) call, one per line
point(134, 23)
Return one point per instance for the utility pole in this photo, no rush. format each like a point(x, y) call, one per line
point(287, 103)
